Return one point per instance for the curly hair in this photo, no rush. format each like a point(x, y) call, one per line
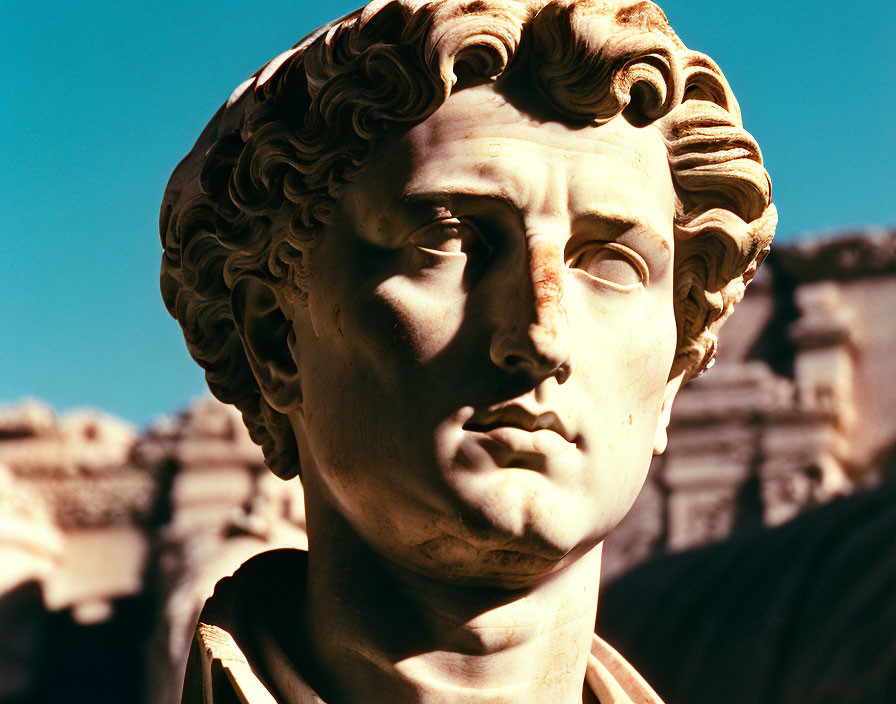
point(267, 171)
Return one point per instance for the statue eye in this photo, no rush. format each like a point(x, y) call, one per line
point(612, 264)
point(451, 236)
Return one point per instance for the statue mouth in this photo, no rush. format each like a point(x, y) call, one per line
point(516, 435)
point(499, 422)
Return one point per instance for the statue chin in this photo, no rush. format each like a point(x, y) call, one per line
point(450, 559)
point(508, 544)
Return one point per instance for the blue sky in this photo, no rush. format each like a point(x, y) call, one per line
point(101, 100)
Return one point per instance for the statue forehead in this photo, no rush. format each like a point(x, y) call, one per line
point(480, 143)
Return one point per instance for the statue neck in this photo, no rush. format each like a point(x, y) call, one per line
point(373, 632)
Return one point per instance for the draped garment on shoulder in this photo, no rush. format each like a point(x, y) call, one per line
point(235, 631)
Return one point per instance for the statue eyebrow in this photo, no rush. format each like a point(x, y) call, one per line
point(448, 197)
point(414, 208)
point(615, 225)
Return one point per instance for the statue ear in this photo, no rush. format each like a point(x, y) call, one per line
point(269, 342)
point(661, 438)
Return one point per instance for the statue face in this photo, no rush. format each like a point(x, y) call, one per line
point(487, 340)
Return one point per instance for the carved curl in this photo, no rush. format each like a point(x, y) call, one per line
point(250, 198)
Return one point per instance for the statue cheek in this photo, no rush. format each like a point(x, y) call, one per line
point(421, 318)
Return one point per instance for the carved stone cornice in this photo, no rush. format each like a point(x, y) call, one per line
point(840, 257)
point(77, 464)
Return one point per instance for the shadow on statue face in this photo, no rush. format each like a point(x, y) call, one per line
point(487, 341)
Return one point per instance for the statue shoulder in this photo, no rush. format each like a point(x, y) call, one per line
point(223, 665)
point(612, 679)
point(229, 647)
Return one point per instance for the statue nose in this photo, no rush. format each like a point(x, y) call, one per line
point(532, 332)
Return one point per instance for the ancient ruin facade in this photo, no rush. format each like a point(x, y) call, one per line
point(113, 539)
point(100, 520)
point(793, 413)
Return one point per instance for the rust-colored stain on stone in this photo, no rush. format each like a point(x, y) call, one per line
point(547, 268)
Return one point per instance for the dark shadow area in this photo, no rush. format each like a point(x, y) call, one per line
point(23, 620)
point(748, 504)
point(48, 658)
point(885, 461)
point(773, 344)
point(801, 614)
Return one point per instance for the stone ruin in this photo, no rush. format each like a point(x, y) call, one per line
point(105, 530)
point(113, 540)
point(796, 411)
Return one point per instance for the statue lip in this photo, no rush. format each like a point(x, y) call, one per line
point(515, 415)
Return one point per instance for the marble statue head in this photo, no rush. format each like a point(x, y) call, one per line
point(455, 259)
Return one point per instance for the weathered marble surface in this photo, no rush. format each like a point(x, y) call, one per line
point(453, 262)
